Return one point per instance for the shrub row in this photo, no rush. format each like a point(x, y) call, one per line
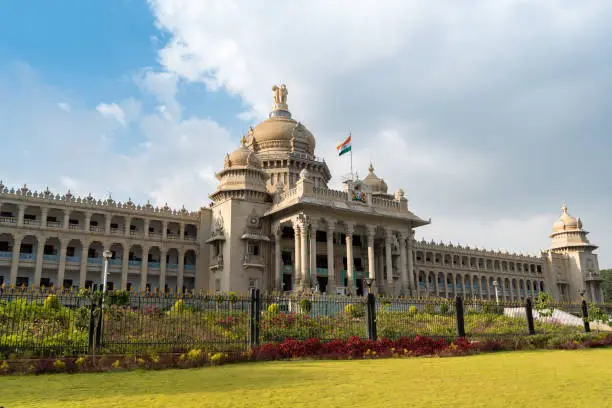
point(353, 348)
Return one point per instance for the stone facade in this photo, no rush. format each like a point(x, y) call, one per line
point(274, 224)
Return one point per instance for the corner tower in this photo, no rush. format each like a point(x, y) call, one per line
point(581, 266)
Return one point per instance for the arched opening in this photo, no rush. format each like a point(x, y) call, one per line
point(74, 251)
point(93, 278)
point(172, 261)
point(154, 267)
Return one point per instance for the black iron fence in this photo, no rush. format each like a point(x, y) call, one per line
point(47, 323)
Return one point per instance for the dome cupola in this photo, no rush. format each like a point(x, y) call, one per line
point(566, 222)
point(378, 185)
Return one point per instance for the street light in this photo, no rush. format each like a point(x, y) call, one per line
point(582, 292)
point(106, 255)
point(495, 284)
point(368, 282)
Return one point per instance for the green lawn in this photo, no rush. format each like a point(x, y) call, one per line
point(517, 379)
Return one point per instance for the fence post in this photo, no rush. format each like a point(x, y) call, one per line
point(371, 316)
point(252, 324)
point(585, 316)
point(92, 327)
point(529, 312)
point(460, 319)
point(99, 330)
point(257, 315)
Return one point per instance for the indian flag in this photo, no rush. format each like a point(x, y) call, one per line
point(344, 147)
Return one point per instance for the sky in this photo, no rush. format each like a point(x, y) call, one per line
point(488, 114)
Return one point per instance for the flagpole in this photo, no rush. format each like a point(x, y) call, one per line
point(352, 178)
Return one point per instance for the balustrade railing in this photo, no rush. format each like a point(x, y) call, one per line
point(8, 220)
point(6, 255)
point(27, 257)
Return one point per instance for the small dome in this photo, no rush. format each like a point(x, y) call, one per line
point(566, 222)
point(242, 157)
point(378, 185)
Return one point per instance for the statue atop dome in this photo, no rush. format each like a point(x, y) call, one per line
point(280, 97)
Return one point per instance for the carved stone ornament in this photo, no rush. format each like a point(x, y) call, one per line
point(219, 223)
point(227, 162)
point(304, 175)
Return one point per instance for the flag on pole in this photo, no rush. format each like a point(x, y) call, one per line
point(344, 147)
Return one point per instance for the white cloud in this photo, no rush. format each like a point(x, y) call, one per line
point(112, 111)
point(64, 106)
point(471, 107)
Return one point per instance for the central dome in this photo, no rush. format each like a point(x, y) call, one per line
point(280, 133)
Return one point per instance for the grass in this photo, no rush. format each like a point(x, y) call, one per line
point(518, 379)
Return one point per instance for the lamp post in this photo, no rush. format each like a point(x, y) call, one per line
point(368, 282)
point(106, 255)
point(582, 291)
point(495, 284)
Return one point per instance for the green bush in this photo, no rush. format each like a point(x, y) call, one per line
point(178, 307)
point(305, 305)
point(52, 302)
point(412, 310)
point(273, 309)
point(430, 308)
point(355, 310)
point(444, 308)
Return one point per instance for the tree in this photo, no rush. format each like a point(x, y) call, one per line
point(606, 285)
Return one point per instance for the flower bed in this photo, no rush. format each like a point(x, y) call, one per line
point(352, 348)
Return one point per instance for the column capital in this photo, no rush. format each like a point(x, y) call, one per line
point(302, 220)
point(371, 230)
point(388, 235)
point(330, 225)
point(350, 228)
point(404, 235)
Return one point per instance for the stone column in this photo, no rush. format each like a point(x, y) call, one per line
point(62, 264)
point(144, 270)
point(278, 276)
point(349, 259)
point(40, 249)
point(593, 296)
point(107, 223)
point(128, 222)
point(410, 255)
point(87, 221)
point(125, 266)
point(83, 271)
point(44, 211)
point(147, 223)
point(297, 257)
point(165, 229)
point(331, 274)
point(162, 269)
point(304, 255)
point(15, 258)
point(20, 214)
point(389, 261)
point(313, 253)
point(405, 289)
point(380, 269)
point(371, 232)
point(181, 266)
point(66, 219)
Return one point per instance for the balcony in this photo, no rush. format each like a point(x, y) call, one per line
point(27, 257)
point(191, 238)
point(174, 236)
point(189, 267)
point(288, 269)
point(216, 262)
point(116, 231)
point(154, 265)
point(74, 227)
point(94, 261)
point(54, 224)
point(254, 261)
point(8, 220)
point(51, 258)
point(6, 255)
point(133, 263)
point(172, 267)
point(155, 235)
point(73, 259)
point(115, 262)
point(34, 223)
point(136, 233)
point(93, 228)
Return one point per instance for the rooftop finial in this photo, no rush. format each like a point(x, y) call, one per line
point(243, 140)
point(564, 208)
point(280, 107)
point(371, 168)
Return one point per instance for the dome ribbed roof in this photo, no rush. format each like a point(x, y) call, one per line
point(566, 222)
point(242, 157)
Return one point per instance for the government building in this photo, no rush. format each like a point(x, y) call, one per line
point(274, 224)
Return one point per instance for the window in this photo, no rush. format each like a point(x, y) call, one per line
point(67, 284)
point(92, 253)
point(114, 226)
point(321, 236)
point(132, 228)
point(93, 223)
point(73, 222)
point(321, 261)
point(49, 250)
point(88, 284)
point(356, 240)
point(46, 282)
point(22, 281)
point(286, 257)
point(253, 249)
point(151, 229)
point(52, 219)
point(6, 214)
point(4, 246)
point(70, 251)
point(357, 264)
point(27, 249)
point(287, 232)
point(29, 217)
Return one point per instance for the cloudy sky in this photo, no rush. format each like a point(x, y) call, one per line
point(489, 114)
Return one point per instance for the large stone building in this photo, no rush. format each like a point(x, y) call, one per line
point(274, 224)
